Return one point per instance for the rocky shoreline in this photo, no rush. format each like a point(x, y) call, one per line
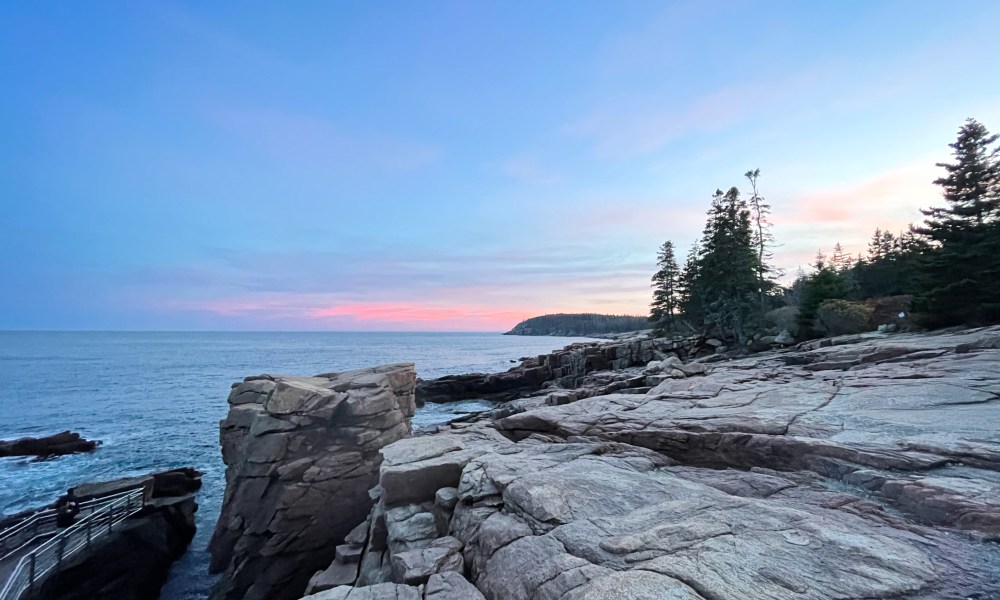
point(857, 467)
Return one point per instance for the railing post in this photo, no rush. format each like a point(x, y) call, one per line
point(31, 571)
point(90, 523)
point(62, 549)
point(111, 513)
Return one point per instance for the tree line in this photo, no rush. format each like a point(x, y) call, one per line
point(579, 324)
point(949, 264)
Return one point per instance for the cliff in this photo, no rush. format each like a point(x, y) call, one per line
point(583, 325)
point(301, 454)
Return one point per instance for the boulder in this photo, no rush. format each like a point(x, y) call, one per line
point(416, 566)
point(301, 454)
point(784, 338)
point(382, 591)
point(446, 498)
point(450, 586)
point(410, 527)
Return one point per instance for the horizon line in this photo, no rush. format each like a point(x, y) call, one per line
point(252, 331)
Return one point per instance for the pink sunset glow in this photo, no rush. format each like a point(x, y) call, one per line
point(422, 316)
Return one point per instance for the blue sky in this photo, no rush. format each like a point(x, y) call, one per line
point(448, 165)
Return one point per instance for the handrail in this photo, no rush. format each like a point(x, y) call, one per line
point(50, 555)
point(28, 529)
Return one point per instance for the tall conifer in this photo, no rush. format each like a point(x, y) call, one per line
point(961, 278)
point(666, 284)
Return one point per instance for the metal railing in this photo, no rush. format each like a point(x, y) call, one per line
point(43, 524)
point(50, 555)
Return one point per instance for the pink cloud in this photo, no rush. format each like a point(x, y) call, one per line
point(850, 213)
point(416, 315)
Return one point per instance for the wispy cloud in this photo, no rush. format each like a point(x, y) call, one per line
point(409, 288)
point(644, 123)
point(299, 139)
point(528, 169)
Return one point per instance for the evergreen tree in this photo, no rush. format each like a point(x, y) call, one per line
point(888, 245)
point(690, 297)
point(666, 284)
point(875, 246)
point(728, 269)
point(840, 260)
point(763, 239)
point(961, 277)
point(824, 284)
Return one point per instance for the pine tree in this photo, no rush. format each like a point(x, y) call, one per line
point(875, 246)
point(763, 239)
point(961, 278)
point(824, 284)
point(666, 284)
point(888, 245)
point(690, 296)
point(840, 260)
point(728, 268)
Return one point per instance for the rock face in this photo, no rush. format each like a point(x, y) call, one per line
point(67, 442)
point(566, 368)
point(866, 467)
point(301, 454)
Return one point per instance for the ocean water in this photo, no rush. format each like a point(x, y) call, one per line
point(154, 400)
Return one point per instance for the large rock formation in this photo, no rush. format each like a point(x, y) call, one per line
point(301, 454)
point(863, 467)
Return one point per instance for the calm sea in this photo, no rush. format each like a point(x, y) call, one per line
point(155, 401)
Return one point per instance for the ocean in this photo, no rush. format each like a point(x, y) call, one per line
point(155, 399)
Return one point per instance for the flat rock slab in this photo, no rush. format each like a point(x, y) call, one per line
point(905, 410)
point(771, 477)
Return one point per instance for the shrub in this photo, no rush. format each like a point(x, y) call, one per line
point(887, 310)
point(840, 317)
point(783, 318)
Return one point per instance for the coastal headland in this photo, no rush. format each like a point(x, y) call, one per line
point(862, 466)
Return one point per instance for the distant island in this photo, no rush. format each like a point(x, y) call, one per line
point(581, 324)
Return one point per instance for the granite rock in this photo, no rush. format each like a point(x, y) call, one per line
point(856, 467)
point(301, 454)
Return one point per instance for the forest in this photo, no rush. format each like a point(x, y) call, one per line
point(581, 324)
point(944, 271)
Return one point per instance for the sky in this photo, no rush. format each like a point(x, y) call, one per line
point(449, 165)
